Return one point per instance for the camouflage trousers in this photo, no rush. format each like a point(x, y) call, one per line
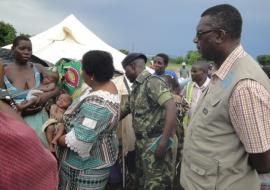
point(152, 173)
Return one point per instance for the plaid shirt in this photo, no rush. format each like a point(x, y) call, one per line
point(249, 108)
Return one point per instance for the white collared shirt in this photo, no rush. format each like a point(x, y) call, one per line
point(196, 93)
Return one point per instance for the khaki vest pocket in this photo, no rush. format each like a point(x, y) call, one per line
point(200, 171)
point(215, 102)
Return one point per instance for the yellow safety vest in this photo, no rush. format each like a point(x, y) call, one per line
point(188, 89)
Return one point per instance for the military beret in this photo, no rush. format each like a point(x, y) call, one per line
point(131, 57)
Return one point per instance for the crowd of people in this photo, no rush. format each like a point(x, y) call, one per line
point(213, 133)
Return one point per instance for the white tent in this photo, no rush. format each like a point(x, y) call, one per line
point(70, 39)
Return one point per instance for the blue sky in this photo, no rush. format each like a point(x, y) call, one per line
point(148, 26)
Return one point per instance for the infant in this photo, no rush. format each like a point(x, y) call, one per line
point(52, 125)
point(48, 84)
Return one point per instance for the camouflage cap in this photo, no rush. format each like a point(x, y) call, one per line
point(131, 57)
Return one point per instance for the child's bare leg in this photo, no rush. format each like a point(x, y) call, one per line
point(50, 130)
point(60, 131)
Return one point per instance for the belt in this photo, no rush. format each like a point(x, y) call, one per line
point(140, 136)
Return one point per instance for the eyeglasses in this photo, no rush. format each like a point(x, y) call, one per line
point(199, 34)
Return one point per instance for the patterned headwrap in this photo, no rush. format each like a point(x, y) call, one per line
point(70, 76)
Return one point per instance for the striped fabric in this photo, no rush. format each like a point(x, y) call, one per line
point(250, 113)
point(90, 123)
point(24, 162)
point(228, 63)
point(249, 108)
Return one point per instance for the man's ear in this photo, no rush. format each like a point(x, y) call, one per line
point(133, 66)
point(166, 65)
point(221, 36)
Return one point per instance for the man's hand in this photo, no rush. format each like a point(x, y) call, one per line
point(170, 124)
point(41, 100)
point(161, 149)
point(260, 162)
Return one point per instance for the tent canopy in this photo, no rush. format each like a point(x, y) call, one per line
point(70, 39)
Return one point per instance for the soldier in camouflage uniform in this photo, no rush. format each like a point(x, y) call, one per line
point(154, 118)
point(182, 108)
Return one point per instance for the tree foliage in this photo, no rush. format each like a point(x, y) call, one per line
point(7, 33)
point(264, 59)
point(192, 56)
point(180, 59)
point(124, 51)
point(26, 35)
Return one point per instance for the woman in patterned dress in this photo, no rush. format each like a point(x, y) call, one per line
point(89, 147)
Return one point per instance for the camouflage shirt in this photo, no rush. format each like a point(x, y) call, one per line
point(145, 102)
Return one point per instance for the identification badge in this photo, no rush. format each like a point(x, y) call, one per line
point(90, 123)
point(205, 111)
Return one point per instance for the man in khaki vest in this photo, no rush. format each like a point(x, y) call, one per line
point(228, 140)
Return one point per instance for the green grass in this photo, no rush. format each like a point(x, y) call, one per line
point(174, 67)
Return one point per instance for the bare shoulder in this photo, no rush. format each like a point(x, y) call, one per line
point(1, 62)
point(8, 69)
point(1, 67)
point(112, 88)
point(40, 67)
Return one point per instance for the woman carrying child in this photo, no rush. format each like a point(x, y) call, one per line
point(20, 77)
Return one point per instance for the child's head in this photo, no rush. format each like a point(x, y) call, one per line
point(64, 101)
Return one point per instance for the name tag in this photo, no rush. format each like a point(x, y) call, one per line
point(90, 123)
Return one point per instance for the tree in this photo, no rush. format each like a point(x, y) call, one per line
point(124, 51)
point(179, 60)
point(192, 56)
point(26, 35)
point(264, 59)
point(7, 33)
